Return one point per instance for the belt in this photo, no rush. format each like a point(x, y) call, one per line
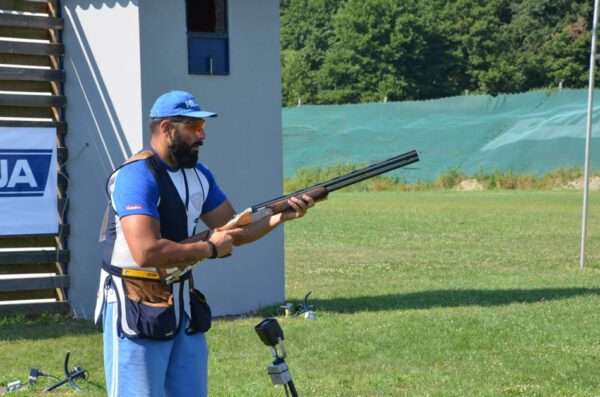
point(131, 273)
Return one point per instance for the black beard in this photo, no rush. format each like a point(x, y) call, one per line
point(181, 152)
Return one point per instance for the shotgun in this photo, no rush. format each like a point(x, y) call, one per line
point(280, 204)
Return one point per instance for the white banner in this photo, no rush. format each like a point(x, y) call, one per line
point(28, 186)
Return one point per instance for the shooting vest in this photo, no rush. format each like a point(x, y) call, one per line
point(147, 308)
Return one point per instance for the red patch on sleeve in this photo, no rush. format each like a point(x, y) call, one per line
point(134, 207)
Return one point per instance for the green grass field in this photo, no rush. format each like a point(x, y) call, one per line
point(417, 293)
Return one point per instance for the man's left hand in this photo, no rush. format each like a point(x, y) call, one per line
point(299, 207)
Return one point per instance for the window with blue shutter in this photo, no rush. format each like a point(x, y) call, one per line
point(208, 37)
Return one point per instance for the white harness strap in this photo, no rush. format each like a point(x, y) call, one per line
point(104, 225)
point(100, 297)
point(118, 283)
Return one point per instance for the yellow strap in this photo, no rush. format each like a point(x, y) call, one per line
point(140, 274)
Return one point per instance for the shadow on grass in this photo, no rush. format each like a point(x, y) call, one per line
point(43, 327)
point(447, 298)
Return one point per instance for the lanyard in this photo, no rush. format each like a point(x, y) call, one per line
point(187, 192)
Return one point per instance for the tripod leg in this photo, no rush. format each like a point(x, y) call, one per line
point(292, 388)
point(54, 386)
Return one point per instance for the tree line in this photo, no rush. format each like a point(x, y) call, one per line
point(355, 51)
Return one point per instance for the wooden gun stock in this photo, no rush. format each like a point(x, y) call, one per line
point(316, 194)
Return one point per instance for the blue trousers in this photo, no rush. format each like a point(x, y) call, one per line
point(144, 367)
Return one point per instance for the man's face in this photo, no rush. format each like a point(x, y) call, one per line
point(187, 139)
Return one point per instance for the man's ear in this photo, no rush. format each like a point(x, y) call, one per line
point(166, 128)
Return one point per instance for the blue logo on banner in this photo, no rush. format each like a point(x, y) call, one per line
point(24, 172)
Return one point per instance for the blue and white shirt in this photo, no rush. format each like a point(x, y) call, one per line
point(134, 190)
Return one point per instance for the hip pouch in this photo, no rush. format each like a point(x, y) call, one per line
point(148, 311)
point(201, 320)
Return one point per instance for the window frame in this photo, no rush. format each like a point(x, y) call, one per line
point(214, 40)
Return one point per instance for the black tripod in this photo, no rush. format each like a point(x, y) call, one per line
point(271, 334)
point(76, 373)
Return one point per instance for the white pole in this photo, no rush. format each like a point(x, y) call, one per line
point(588, 138)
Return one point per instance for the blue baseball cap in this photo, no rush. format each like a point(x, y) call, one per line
point(178, 103)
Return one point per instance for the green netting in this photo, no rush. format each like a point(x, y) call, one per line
point(532, 132)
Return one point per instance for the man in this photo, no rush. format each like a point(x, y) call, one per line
point(154, 342)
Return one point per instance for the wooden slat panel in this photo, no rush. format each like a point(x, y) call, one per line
point(30, 21)
point(35, 308)
point(32, 100)
point(28, 269)
point(24, 257)
point(53, 7)
point(34, 283)
point(61, 205)
point(31, 241)
point(62, 153)
point(38, 113)
point(28, 241)
point(26, 86)
point(24, 5)
point(66, 230)
point(28, 60)
point(51, 87)
point(61, 150)
point(33, 294)
point(52, 61)
point(62, 181)
point(25, 33)
point(35, 80)
point(25, 48)
point(61, 126)
point(8, 73)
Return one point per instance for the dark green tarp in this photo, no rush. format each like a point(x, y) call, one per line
point(526, 133)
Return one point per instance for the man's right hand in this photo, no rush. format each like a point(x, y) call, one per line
point(223, 241)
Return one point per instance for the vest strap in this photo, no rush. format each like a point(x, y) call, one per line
point(143, 155)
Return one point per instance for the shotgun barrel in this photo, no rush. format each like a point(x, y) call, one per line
point(379, 171)
point(351, 178)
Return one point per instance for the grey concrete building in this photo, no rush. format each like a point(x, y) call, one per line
point(120, 55)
